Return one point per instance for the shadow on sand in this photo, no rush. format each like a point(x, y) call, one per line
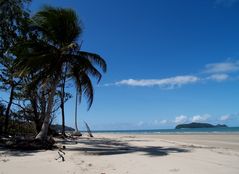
point(101, 146)
point(116, 147)
point(4, 152)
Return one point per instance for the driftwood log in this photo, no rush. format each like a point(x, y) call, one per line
point(61, 153)
point(88, 130)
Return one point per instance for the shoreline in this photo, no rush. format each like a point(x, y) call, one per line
point(166, 133)
point(223, 130)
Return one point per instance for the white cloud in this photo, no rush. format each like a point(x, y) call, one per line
point(222, 67)
point(163, 122)
point(218, 77)
point(219, 72)
point(180, 119)
point(200, 118)
point(171, 82)
point(224, 117)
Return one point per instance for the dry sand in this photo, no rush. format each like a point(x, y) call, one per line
point(131, 154)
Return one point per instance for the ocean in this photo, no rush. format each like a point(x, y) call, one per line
point(219, 130)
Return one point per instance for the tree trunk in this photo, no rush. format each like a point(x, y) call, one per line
point(33, 101)
point(76, 128)
point(63, 110)
point(43, 105)
point(42, 135)
point(7, 113)
point(77, 132)
point(63, 102)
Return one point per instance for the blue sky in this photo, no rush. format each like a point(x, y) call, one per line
point(169, 62)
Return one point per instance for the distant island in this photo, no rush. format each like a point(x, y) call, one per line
point(58, 128)
point(199, 125)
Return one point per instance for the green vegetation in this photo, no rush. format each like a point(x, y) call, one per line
point(39, 55)
point(198, 125)
point(58, 128)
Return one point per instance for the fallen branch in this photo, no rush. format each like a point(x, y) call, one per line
point(60, 156)
point(88, 130)
point(61, 153)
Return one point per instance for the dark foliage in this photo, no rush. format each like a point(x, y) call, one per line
point(39, 55)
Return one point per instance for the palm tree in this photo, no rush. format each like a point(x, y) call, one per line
point(77, 132)
point(62, 98)
point(57, 31)
point(84, 83)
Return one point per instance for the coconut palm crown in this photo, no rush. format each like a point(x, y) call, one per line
point(54, 47)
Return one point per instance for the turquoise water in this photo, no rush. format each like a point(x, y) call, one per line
point(176, 131)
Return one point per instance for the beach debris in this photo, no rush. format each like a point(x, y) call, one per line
point(88, 129)
point(5, 160)
point(77, 134)
point(61, 153)
point(4, 156)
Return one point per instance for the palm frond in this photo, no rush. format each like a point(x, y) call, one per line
point(60, 25)
point(94, 59)
point(84, 86)
point(81, 64)
point(33, 56)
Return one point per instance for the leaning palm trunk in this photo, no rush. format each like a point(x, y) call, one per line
point(77, 132)
point(42, 135)
point(88, 130)
point(76, 127)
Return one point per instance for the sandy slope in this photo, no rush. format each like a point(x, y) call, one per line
point(132, 154)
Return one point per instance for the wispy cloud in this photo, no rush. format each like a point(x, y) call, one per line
point(180, 119)
point(220, 71)
point(224, 117)
point(222, 67)
point(171, 82)
point(217, 72)
point(200, 118)
point(218, 77)
point(163, 122)
point(196, 118)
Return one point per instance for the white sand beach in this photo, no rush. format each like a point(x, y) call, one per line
point(131, 154)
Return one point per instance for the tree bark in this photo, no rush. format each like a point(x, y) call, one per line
point(42, 135)
point(7, 113)
point(63, 102)
point(63, 110)
point(33, 101)
point(76, 111)
point(77, 132)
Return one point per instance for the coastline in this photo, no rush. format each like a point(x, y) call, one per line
point(133, 154)
point(220, 130)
